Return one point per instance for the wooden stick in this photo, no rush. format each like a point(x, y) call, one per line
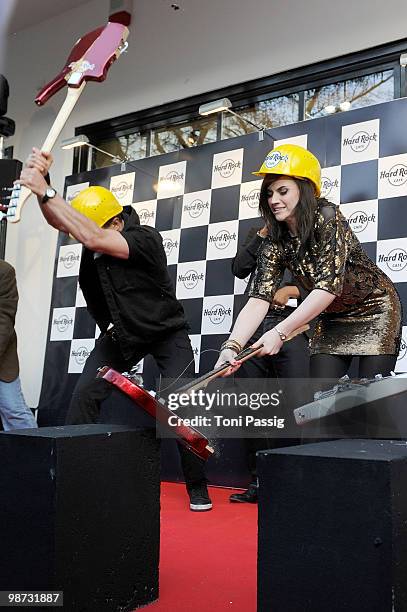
point(247, 353)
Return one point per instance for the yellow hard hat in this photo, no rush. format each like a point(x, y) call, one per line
point(98, 204)
point(293, 160)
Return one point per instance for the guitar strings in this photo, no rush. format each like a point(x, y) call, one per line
point(183, 371)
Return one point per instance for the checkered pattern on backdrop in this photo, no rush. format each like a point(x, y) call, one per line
point(204, 201)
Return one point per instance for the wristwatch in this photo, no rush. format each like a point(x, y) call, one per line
point(49, 194)
point(282, 335)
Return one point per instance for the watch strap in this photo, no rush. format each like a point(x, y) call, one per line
point(49, 194)
point(282, 335)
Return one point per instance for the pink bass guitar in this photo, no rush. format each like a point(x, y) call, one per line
point(89, 60)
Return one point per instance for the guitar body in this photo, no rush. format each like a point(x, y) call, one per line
point(188, 436)
point(75, 55)
point(89, 59)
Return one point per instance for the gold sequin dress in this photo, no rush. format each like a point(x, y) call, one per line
point(365, 317)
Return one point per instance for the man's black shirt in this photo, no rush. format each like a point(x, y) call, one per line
point(136, 294)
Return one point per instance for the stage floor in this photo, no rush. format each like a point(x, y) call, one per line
point(208, 559)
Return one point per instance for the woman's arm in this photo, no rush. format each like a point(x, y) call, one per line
point(315, 303)
point(245, 325)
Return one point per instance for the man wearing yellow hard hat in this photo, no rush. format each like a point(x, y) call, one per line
point(128, 291)
point(358, 309)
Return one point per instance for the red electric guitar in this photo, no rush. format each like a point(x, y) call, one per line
point(188, 436)
point(89, 60)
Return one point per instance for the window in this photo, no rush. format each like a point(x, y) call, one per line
point(183, 135)
point(267, 114)
point(351, 81)
point(350, 94)
point(132, 146)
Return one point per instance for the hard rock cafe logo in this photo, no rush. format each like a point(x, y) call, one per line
point(252, 198)
point(396, 260)
point(146, 216)
point(403, 349)
point(396, 176)
point(217, 313)
point(196, 208)
point(359, 220)
point(222, 239)
point(81, 66)
point(327, 185)
point(274, 158)
point(121, 189)
point(169, 245)
point(227, 167)
point(73, 195)
point(190, 279)
point(69, 260)
point(62, 323)
point(80, 355)
point(360, 141)
point(173, 177)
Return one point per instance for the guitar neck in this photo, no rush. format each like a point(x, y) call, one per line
point(202, 381)
point(72, 96)
point(248, 352)
point(19, 198)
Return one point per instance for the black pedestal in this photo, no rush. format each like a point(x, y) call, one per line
point(333, 527)
point(79, 513)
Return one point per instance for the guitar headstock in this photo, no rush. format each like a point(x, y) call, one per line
point(11, 205)
point(89, 60)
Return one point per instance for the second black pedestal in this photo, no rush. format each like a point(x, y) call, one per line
point(333, 527)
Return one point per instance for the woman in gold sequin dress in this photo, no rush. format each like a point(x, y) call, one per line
point(357, 307)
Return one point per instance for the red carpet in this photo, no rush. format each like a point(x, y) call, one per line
point(208, 559)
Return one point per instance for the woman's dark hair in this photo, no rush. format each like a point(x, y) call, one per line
point(304, 212)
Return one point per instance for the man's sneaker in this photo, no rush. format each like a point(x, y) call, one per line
point(198, 497)
point(249, 496)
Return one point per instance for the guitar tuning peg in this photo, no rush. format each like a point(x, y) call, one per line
point(123, 48)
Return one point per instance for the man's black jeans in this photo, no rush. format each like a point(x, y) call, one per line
point(172, 353)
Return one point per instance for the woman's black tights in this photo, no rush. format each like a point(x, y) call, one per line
point(336, 366)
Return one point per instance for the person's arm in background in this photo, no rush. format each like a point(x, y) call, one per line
point(285, 293)
point(245, 260)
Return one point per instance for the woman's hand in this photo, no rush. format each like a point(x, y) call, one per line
point(228, 355)
point(272, 344)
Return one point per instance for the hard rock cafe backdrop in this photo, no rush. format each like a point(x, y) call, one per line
point(204, 200)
